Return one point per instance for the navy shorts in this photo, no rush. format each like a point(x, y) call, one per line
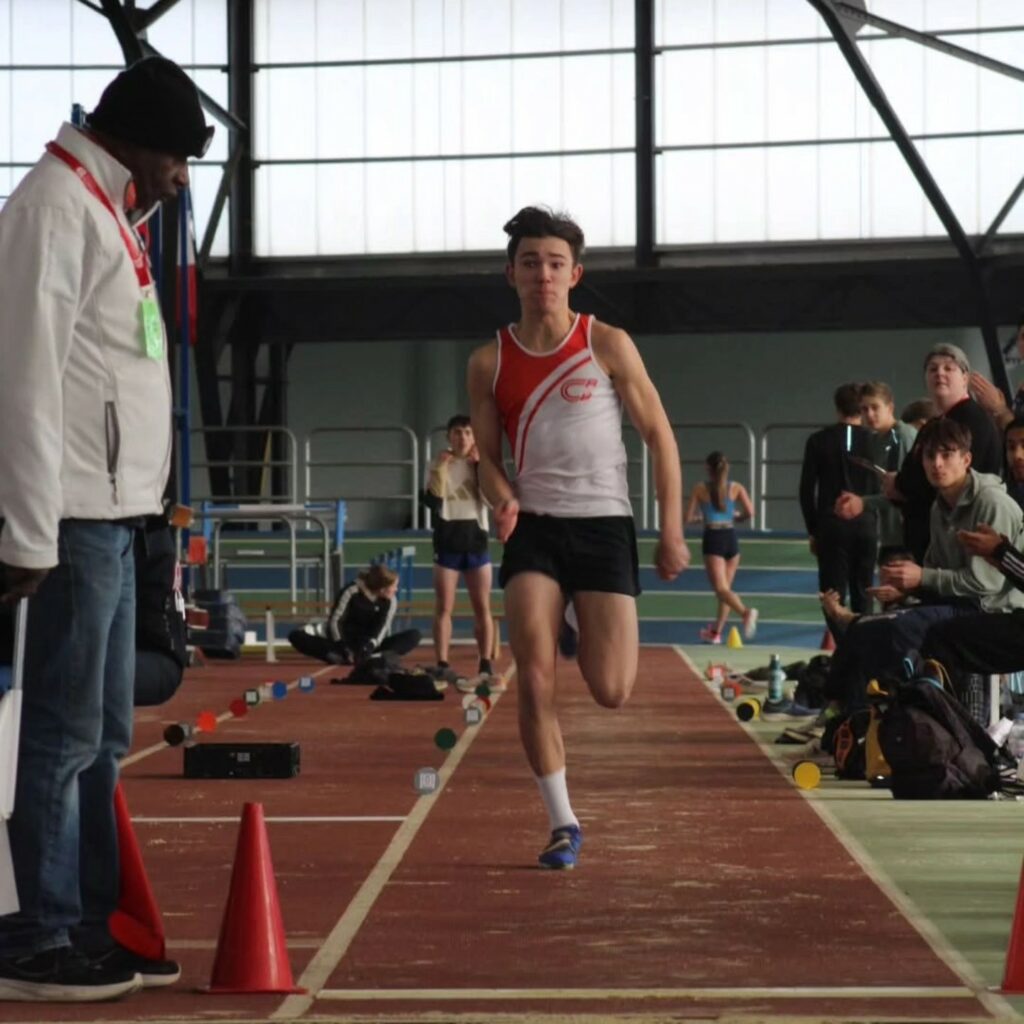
point(588, 553)
point(461, 561)
point(720, 542)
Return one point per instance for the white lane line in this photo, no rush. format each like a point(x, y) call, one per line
point(222, 717)
point(354, 995)
point(344, 932)
point(235, 819)
point(940, 946)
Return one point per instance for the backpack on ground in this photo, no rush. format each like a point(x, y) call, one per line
point(811, 679)
point(934, 747)
point(846, 738)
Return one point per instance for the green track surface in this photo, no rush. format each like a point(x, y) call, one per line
point(958, 862)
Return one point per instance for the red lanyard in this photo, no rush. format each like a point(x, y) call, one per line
point(138, 257)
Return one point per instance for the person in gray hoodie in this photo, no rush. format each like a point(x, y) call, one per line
point(952, 582)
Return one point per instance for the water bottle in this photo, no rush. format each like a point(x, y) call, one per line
point(776, 678)
point(1015, 741)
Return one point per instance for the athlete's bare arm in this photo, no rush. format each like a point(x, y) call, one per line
point(483, 414)
point(692, 511)
point(746, 506)
point(619, 357)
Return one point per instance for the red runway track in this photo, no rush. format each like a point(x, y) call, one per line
point(707, 887)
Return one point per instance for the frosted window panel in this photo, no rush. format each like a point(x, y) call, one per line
point(739, 91)
point(286, 225)
point(42, 102)
point(428, 28)
point(999, 171)
point(455, 173)
point(389, 104)
point(451, 109)
point(6, 136)
point(897, 204)
point(623, 200)
point(839, 94)
point(427, 138)
point(389, 208)
point(339, 30)
point(999, 12)
point(537, 106)
point(793, 95)
point(954, 166)
point(487, 185)
point(284, 31)
point(341, 209)
point(41, 32)
point(685, 184)
point(685, 109)
point(205, 181)
point(487, 104)
point(92, 39)
point(1001, 99)
point(286, 113)
point(899, 66)
point(623, 110)
point(739, 20)
point(536, 26)
point(740, 213)
point(594, 24)
point(906, 12)
point(215, 85)
point(486, 27)
point(428, 210)
point(5, 30)
point(946, 14)
point(340, 112)
point(951, 98)
point(841, 191)
point(532, 183)
point(792, 193)
point(388, 29)
point(591, 110)
point(684, 21)
point(789, 20)
point(589, 195)
point(193, 32)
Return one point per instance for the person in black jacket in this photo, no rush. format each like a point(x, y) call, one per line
point(845, 548)
point(359, 622)
point(160, 654)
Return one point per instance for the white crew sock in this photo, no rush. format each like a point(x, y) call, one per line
point(570, 616)
point(555, 794)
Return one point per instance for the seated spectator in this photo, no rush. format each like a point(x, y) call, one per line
point(1015, 460)
point(160, 654)
point(991, 398)
point(952, 582)
point(359, 622)
point(917, 413)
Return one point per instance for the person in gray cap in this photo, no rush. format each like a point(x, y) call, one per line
point(946, 376)
point(85, 408)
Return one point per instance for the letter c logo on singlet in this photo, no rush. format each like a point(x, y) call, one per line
point(578, 389)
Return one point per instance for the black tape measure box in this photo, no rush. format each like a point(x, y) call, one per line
point(242, 761)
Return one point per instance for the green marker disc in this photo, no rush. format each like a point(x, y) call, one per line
point(483, 690)
point(445, 738)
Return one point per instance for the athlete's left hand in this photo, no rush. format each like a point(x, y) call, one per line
point(671, 557)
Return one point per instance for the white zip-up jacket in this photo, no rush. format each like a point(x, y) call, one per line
point(85, 415)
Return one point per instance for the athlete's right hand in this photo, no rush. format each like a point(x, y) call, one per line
point(506, 515)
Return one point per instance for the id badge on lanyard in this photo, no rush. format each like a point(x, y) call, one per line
point(149, 308)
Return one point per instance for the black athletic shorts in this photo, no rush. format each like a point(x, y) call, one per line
point(593, 553)
point(720, 542)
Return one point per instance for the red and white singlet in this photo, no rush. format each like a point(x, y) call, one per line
point(563, 420)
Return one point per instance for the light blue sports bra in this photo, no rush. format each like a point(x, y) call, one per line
point(716, 517)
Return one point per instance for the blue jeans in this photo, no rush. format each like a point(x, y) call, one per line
point(76, 725)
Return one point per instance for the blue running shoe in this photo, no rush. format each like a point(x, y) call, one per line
point(563, 850)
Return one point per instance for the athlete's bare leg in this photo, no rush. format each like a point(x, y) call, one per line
point(609, 644)
point(478, 585)
point(445, 583)
point(534, 606)
point(720, 577)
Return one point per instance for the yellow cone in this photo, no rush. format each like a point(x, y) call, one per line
point(734, 640)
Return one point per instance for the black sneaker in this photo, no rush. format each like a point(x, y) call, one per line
point(63, 976)
point(154, 973)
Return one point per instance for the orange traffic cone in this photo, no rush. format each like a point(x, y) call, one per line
point(251, 951)
point(136, 923)
point(828, 641)
point(1013, 974)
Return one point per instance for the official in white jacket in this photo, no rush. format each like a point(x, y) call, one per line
point(85, 448)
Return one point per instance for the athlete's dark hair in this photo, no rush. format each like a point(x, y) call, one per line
point(847, 399)
point(460, 419)
point(543, 222)
point(920, 409)
point(876, 389)
point(943, 432)
point(718, 470)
